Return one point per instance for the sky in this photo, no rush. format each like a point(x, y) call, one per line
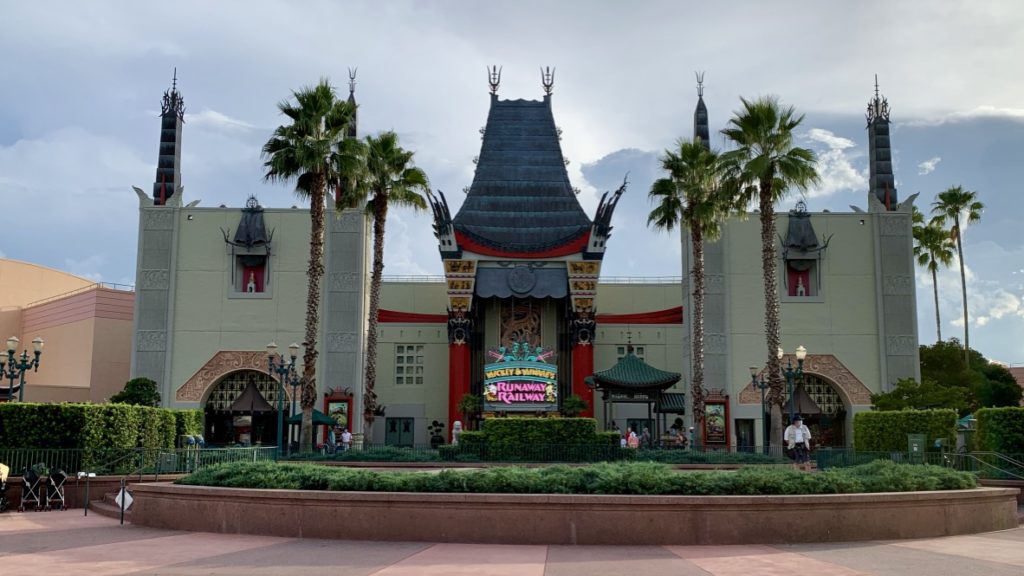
point(81, 86)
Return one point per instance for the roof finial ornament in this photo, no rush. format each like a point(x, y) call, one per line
point(700, 84)
point(352, 80)
point(547, 79)
point(629, 341)
point(172, 102)
point(878, 108)
point(494, 78)
point(174, 80)
point(876, 86)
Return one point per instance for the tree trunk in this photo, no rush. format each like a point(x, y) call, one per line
point(697, 237)
point(314, 275)
point(380, 215)
point(938, 322)
point(776, 392)
point(963, 285)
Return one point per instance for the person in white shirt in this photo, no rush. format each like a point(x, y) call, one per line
point(346, 439)
point(798, 439)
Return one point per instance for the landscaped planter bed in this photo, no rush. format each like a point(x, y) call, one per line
point(518, 518)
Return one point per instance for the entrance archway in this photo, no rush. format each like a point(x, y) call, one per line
point(823, 409)
point(228, 425)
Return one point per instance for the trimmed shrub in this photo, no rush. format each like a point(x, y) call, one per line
point(1000, 430)
point(620, 478)
point(887, 431)
point(540, 431)
point(187, 423)
point(102, 431)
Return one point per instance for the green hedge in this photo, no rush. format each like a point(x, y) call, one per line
point(540, 431)
point(631, 478)
point(101, 431)
point(1000, 430)
point(886, 431)
point(187, 423)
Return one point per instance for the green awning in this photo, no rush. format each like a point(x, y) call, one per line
point(319, 419)
point(671, 403)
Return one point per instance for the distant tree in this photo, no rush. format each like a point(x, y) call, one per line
point(470, 406)
point(573, 406)
point(999, 389)
point(138, 391)
point(908, 394)
point(933, 247)
point(962, 207)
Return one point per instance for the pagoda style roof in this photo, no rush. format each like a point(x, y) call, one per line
point(633, 373)
point(521, 201)
point(250, 400)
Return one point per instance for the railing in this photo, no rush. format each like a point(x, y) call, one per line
point(110, 285)
point(539, 453)
point(427, 278)
point(988, 465)
point(105, 462)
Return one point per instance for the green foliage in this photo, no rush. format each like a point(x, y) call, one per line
point(187, 422)
point(573, 406)
point(102, 431)
point(470, 404)
point(138, 391)
point(621, 478)
point(887, 431)
point(908, 394)
point(1000, 430)
point(540, 431)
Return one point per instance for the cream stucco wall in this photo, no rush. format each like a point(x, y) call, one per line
point(22, 283)
point(208, 315)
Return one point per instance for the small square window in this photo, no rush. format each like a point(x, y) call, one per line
point(400, 349)
point(399, 370)
point(409, 359)
point(419, 369)
point(419, 359)
point(419, 379)
point(419, 349)
point(398, 380)
point(621, 350)
point(400, 360)
point(639, 350)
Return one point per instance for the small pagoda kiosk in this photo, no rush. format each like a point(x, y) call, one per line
point(633, 381)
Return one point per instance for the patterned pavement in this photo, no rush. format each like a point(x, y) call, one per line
point(69, 543)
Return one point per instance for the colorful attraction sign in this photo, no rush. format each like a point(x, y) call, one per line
point(522, 379)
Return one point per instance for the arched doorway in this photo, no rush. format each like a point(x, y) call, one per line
point(823, 410)
point(228, 424)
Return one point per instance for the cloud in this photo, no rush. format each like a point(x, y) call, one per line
point(928, 166)
point(835, 168)
point(212, 119)
point(88, 267)
point(983, 111)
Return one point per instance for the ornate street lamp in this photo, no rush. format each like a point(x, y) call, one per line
point(293, 381)
point(282, 369)
point(14, 368)
point(792, 374)
point(762, 385)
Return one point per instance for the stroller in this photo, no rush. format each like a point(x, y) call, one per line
point(55, 490)
point(31, 485)
point(4, 472)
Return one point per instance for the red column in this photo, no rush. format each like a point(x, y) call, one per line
point(458, 382)
point(583, 366)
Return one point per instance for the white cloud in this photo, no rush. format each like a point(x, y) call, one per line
point(208, 118)
point(88, 267)
point(928, 166)
point(983, 111)
point(835, 169)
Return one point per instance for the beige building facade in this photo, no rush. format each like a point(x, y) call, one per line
point(86, 329)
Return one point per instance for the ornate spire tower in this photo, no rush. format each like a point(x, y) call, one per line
point(700, 115)
point(353, 131)
point(882, 181)
point(168, 168)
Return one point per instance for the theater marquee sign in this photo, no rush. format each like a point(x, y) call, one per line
point(522, 379)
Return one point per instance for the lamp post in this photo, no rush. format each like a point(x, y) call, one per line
point(792, 374)
point(282, 369)
point(293, 381)
point(14, 368)
point(762, 385)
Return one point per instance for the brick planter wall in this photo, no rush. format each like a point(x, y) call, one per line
point(563, 519)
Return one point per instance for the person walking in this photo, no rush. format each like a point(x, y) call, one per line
point(798, 439)
point(346, 439)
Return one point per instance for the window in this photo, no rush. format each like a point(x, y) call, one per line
point(620, 352)
point(409, 364)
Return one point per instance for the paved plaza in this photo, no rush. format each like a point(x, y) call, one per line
point(69, 543)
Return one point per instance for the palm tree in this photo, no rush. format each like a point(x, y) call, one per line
point(956, 203)
point(765, 165)
point(303, 151)
point(380, 173)
point(691, 196)
point(933, 247)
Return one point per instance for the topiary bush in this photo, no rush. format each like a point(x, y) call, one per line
point(886, 431)
point(1000, 430)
